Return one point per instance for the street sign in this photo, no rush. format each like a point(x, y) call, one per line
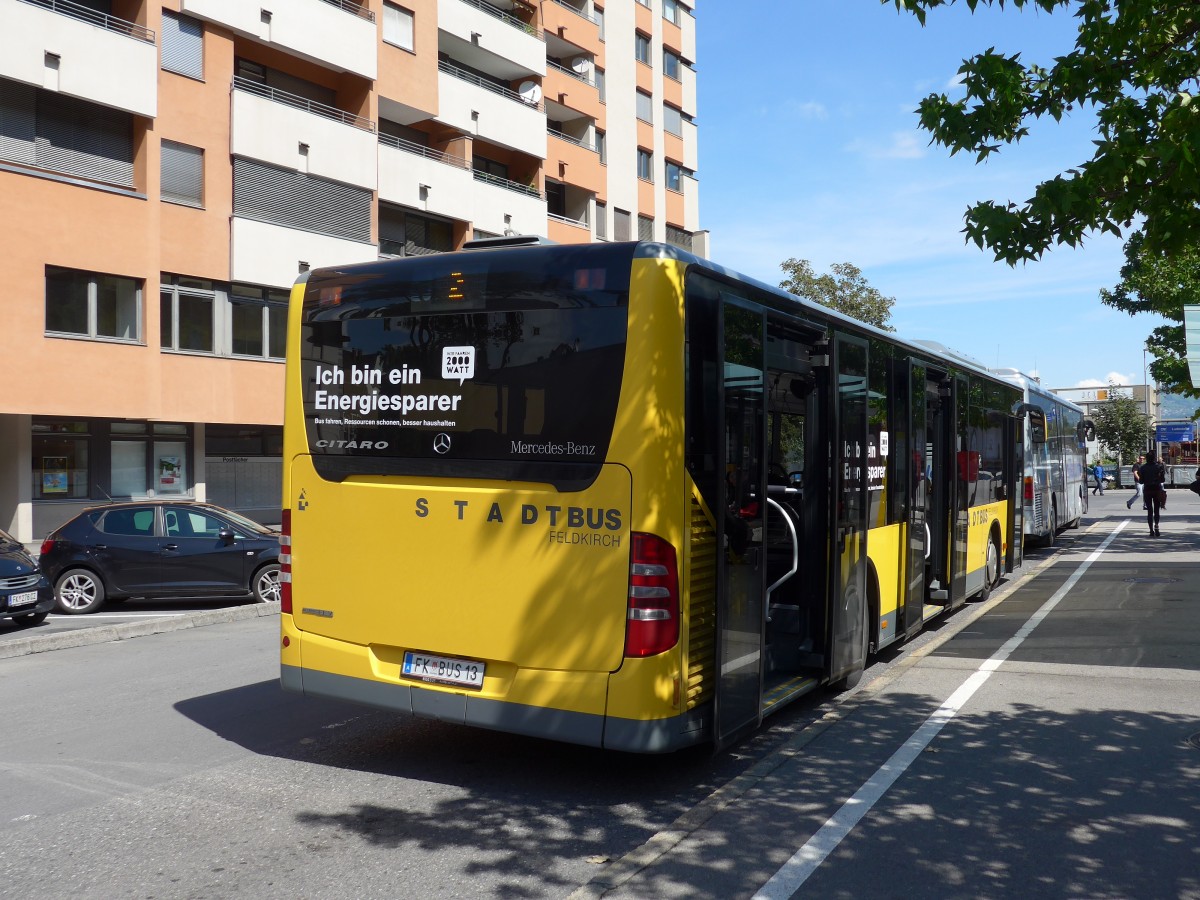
point(1175, 432)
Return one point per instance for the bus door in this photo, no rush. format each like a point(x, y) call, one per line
point(1014, 480)
point(848, 547)
point(942, 494)
point(919, 542)
point(742, 578)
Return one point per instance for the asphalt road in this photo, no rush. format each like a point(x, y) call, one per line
point(171, 765)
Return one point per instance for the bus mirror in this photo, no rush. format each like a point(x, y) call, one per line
point(1087, 431)
point(1037, 426)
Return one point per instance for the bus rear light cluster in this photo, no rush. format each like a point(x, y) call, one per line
point(1029, 488)
point(285, 563)
point(652, 624)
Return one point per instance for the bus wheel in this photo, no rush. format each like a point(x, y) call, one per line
point(991, 570)
point(851, 680)
point(1053, 535)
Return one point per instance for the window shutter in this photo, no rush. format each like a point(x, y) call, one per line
point(295, 200)
point(182, 174)
point(645, 228)
point(18, 122)
point(84, 139)
point(397, 26)
point(621, 225)
point(182, 45)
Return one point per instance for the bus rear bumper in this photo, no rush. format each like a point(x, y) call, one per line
point(607, 732)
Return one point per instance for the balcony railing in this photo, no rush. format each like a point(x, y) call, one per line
point(298, 102)
point(578, 142)
point(531, 30)
point(578, 223)
point(507, 184)
point(92, 17)
point(507, 93)
point(559, 67)
point(356, 9)
point(575, 9)
point(413, 147)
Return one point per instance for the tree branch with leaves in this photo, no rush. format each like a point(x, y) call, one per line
point(845, 290)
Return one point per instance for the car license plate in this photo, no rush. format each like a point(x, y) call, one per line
point(22, 599)
point(443, 670)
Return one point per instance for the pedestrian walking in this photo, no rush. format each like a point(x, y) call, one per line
point(1098, 471)
point(1153, 477)
point(1137, 483)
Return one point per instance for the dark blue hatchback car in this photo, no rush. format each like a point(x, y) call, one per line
point(25, 595)
point(159, 549)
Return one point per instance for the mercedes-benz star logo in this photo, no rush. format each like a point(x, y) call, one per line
point(441, 443)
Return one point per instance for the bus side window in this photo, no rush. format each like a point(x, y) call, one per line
point(1037, 426)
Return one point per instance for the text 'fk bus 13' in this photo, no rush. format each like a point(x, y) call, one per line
point(616, 495)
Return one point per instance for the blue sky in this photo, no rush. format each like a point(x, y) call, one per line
point(809, 148)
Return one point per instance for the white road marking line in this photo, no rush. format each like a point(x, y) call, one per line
point(792, 875)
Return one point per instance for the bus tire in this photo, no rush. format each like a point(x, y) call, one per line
point(991, 569)
point(851, 679)
point(1052, 534)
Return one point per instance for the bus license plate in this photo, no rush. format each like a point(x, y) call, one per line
point(22, 599)
point(443, 670)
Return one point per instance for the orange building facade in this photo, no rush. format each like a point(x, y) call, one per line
point(168, 168)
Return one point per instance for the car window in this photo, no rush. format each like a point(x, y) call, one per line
point(198, 524)
point(136, 521)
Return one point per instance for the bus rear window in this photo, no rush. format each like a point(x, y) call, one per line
point(464, 373)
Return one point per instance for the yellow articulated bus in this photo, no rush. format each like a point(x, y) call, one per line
point(616, 495)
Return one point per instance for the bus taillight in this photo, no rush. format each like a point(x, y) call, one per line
point(1029, 488)
point(285, 563)
point(653, 618)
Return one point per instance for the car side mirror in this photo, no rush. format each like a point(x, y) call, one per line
point(226, 535)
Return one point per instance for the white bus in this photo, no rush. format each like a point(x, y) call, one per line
point(1055, 482)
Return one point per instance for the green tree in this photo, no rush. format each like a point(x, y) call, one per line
point(845, 290)
point(1156, 282)
point(1121, 425)
point(1136, 63)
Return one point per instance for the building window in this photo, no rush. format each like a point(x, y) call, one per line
point(671, 11)
point(186, 315)
point(598, 15)
point(672, 120)
point(600, 84)
point(93, 305)
point(489, 167)
point(602, 147)
point(56, 133)
point(674, 176)
point(258, 321)
point(645, 164)
point(405, 233)
point(61, 451)
point(398, 26)
point(645, 228)
point(641, 47)
point(601, 221)
point(182, 45)
point(622, 223)
point(556, 198)
point(672, 65)
point(645, 107)
point(182, 170)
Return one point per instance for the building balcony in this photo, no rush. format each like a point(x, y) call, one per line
point(273, 255)
point(571, 22)
point(420, 178)
point(691, 204)
point(479, 107)
point(72, 49)
point(296, 133)
point(501, 205)
point(565, 230)
point(486, 38)
point(336, 34)
point(576, 92)
point(576, 162)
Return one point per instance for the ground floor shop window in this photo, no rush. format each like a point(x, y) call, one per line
point(61, 452)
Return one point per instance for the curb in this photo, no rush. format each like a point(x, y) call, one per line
point(104, 634)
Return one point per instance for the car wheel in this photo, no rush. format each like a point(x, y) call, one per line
point(31, 618)
point(79, 591)
point(266, 584)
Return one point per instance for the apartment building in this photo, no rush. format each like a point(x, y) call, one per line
point(168, 168)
